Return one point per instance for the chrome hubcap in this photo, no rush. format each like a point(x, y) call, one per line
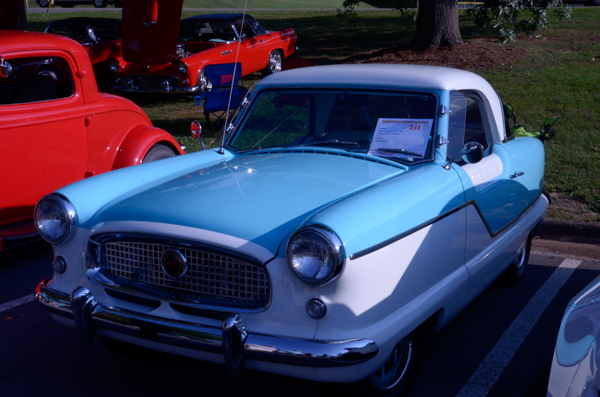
point(395, 367)
point(520, 261)
point(275, 62)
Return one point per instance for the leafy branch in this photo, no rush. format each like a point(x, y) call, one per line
point(508, 17)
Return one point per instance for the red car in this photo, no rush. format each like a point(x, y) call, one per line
point(57, 128)
point(166, 55)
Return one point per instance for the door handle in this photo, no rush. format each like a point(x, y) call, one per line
point(226, 52)
point(516, 174)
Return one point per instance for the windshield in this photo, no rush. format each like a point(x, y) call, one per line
point(215, 31)
point(396, 125)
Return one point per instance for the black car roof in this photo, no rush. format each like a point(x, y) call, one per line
point(226, 17)
point(87, 21)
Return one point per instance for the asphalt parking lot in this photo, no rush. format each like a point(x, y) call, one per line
point(501, 345)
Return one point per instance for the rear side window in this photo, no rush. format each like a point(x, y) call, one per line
point(36, 79)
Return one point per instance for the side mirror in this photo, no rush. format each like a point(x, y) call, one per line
point(472, 153)
point(5, 68)
point(196, 129)
point(508, 110)
point(508, 113)
point(547, 131)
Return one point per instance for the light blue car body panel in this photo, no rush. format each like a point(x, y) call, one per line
point(501, 200)
point(259, 198)
point(390, 208)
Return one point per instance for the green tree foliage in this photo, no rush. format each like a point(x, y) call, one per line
point(508, 17)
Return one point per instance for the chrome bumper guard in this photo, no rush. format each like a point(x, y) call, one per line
point(232, 339)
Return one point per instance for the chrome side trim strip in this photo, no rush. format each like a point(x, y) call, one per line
point(172, 90)
point(400, 236)
point(231, 339)
point(410, 231)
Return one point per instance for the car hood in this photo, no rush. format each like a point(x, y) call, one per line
point(257, 198)
point(150, 30)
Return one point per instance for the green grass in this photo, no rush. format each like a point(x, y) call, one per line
point(560, 77)
point(254, 4)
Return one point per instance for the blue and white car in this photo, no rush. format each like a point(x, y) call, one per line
point(350, 209)
point(574, 370)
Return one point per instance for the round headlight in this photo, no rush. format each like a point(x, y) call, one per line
point(315, 254)
point(204, 83)
point(182, 67)
point(55, 219)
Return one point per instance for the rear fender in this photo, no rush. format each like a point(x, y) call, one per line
point(137, 143)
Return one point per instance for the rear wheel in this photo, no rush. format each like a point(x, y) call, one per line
point(43, 3)
point(594, 2)
point(516, 271)
point(275, 62)
point(157, 152)
point(398, 373)
point(100, 3)
point(118, 3)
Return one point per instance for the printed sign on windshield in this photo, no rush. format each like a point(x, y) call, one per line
point(401, 137)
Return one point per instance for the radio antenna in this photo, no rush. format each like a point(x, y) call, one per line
point(221, 149)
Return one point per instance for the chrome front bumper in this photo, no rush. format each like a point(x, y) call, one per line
point(232, 340)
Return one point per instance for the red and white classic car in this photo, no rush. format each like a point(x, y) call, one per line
point(168, 55)
point(57, 128)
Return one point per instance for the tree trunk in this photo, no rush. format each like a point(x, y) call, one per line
point(437, 25)
point(22, 23)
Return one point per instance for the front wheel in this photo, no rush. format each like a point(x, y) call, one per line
point(275, 62)
point(398, 373)
point(157, 152)
point(118, 3)
point(100, 3)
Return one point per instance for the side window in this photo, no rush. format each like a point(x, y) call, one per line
point(36, 79)
point(477, 128)
point(245, 29)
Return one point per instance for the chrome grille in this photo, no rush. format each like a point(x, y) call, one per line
point(213, 277)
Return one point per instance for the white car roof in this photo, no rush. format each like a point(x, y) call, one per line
point(389, 76)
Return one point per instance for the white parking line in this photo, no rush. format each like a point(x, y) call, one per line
point(498, 358)
point(17, 302)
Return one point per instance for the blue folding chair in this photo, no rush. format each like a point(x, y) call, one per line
point(216, 100)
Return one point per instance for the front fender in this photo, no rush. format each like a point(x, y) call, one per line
point(137, 143)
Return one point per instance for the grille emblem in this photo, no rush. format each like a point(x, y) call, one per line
point(174, 263)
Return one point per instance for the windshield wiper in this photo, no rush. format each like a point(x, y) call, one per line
point(401, 151)
point(332, 142)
